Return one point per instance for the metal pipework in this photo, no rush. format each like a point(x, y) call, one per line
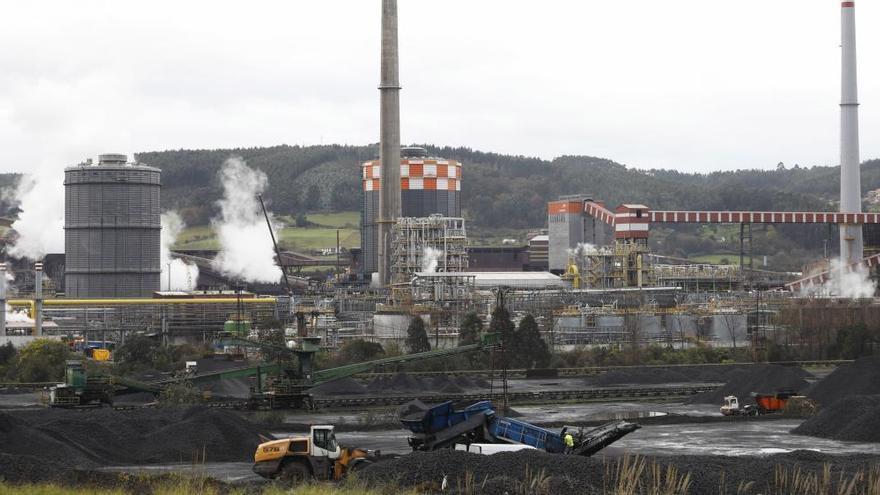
point(851, 246)
point(38, 299)
point(389, 138)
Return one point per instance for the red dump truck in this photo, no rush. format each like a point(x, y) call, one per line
point(764, 404)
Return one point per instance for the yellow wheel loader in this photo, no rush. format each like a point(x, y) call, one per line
point(316, 456)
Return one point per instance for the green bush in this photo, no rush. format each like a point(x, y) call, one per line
point(42, 361)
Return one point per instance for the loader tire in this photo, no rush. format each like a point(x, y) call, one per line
point(294, 473)
point(361, 464)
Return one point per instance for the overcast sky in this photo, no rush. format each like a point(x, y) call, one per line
point(685, 84)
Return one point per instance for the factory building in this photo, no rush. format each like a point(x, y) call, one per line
point(428, 185)
point(111, 229)
point(570, 226)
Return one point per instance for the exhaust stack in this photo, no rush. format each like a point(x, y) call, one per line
point(2, 298)
point(38, 299)
point(389, 139)
point(851, 247)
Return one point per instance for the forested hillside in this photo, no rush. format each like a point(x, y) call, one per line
point(498, 190)
point(502, 191)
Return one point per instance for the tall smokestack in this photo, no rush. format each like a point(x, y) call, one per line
point(851, 248)
point(38, 299)
point(389, 140)
point(2, 298)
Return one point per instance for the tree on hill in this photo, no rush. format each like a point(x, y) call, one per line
point(528, 348)
point(501, 325)
point(416, 336)
point(358, 351)
point(138, 352)
point(313, 199)
point(470, 329)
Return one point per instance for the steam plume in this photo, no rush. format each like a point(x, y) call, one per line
point(246, 250)
point(40, 225)
point(430, 259)
point(17, 315)
point(844, 282)
point(183, 275)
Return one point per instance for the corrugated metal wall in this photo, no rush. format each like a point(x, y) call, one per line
point(112, 231)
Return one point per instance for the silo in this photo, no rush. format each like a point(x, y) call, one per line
point(111, 229)
point(428, 185)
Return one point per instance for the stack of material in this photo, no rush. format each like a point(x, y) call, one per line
point(763, 378)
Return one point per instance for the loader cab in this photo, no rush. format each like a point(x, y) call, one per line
point(324, 442)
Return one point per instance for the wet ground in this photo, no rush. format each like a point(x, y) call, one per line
point(753, 438)
point(731, 439)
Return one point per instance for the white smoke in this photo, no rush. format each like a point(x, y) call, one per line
point(844, 282)
point(17, 315)
point(246, 250)
point(176, 273)
point(431, 259)
point(40, 225)
point(582, 250)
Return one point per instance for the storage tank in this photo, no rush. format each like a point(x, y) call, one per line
point(111, 229)
point(428, 185)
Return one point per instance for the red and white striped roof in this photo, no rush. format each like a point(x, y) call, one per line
point(417, 174)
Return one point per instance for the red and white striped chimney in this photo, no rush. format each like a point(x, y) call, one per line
point(851, 247)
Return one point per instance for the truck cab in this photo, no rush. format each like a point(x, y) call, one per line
point(732, 407)
point(316, 456)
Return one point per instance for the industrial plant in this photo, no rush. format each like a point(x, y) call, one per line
point(583, 336)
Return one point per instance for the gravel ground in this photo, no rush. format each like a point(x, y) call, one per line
point(502, 472)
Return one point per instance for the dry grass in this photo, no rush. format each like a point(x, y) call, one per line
point(634, 475)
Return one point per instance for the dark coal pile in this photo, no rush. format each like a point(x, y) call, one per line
point(442, 383)
point(402, 383)
point(134, 398)
point(150, 376)
point(343, 386)
point(658, 375)
point(571, 474)
point(231, 387)
point(764, 378)
point(855, 418)
point(859, 378)
point(221, 363)
point(84, 439)
point(414, 409)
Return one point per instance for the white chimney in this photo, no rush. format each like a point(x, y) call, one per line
point(38, 299)
point(2, 298)
point(851, 248)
